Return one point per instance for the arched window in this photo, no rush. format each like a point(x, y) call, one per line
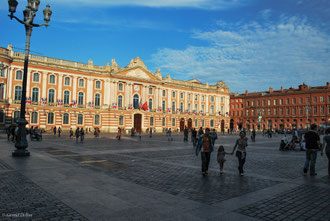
point(189, 107)
point(98, 84)
point(164, 105)
point(211, 123)
point(66, 97)
point(50, 118)
point(97, 119)
point(34, 117)
point(19, 75)
point(2, 116)
point(120, 87)
point(51, 96)
point(52, 79)
point(35, 94)
point(66, 118)
point(136, 101)
point(150, 104)
point(80, 98)
point(121, 120)
point(81, 83)
point(67, 81)
point(35, 77)
point(173, 107)
point(164, 122)
point(120, 101)
point(97, 100)
point(181, 107)
point(18, 92)
point(80, 119)
point(2, 91)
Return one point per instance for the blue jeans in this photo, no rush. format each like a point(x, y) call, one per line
point(310, 159)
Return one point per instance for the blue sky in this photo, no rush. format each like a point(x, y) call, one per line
point(249, 44)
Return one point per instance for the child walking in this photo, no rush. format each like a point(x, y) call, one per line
point(221, 157)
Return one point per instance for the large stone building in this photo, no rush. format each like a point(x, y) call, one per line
point(71, 94)
point(292, 108)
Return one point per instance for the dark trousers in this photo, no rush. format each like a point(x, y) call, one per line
point(241, 160)
point(328, 155)
point(311, 156)
point(205, 161)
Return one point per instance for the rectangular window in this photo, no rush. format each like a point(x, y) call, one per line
point(189, 96)
point(307, 99)
point(164, 93)
point(287, 111)
point(268, 102)
point(181, 95)
point(322, 109)
point(121, 120)
point(314, 99)
point(211, 123)
point(294, 111)
point(203, 98)
point(81, 83)
point(293, 100)
point(196, 123)
point(322, 99)
point(196, 107)
point(67, 81)
point(301, 111)
point(151, 121)
point(252, 103)
point(97, 119)
point(275, 112)
point(281, 111)
point(203, 123)
point(247, 103)
point(287, 101)
point(50, 118)
point(196, 97)
point(150, 90)
point(221, 99)
point(300, 100)
point(80, 119)
point(173, 122)
point(281, 101)
point(164, 106)
point(66, 118)
point(258, 103)
point(247, 112)
point(173, 94)
point(275, 102)
point(315, 110)
point(212, 98)
point(181, 107)
point(164, 121)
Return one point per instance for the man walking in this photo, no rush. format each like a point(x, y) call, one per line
point(205, 146)
point(312, 146)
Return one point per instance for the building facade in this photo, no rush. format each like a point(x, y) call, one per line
point(71, 94)
point(292, 108)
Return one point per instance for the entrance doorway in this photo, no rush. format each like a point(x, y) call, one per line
point(231, 124)
point(222, 125)
point(138, 122)
point(189, 123)
point(181, 124)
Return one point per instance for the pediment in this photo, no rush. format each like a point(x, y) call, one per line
point(138, 73)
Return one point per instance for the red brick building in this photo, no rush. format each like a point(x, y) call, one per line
point(281, 109)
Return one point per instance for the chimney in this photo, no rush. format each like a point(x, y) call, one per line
point(246, 92)
point(271, 90)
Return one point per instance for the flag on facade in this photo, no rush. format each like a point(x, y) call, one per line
point(43, 101)
point(145, 106)
point(159, 109)
point(227, 113)
point(59, 102)
point(130, 107)
point(28, 100)
point(187, 112)
point(169, 110)
point(90, 104)
point(114, 105)
point(73, 103)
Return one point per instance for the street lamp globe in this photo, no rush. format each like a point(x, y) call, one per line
point(47, 13)
point(34, 4)
point(12, 6)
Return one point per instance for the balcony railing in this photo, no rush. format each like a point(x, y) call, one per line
point(17, 101)
point(67, 105)
point(81, 106)
point(51, 104)
point(97, 107)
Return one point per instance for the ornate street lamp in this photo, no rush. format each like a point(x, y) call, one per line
point(29, 15)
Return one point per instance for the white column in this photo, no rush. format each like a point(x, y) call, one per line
point(60, 84)
point(106, 86)
point(130, 94)
point(10, 83)
point(126, 95)
point(74, 84)
point(28, 83)
point(156, 98)
point(90, 90)
point(44, 85)
point(207, 104)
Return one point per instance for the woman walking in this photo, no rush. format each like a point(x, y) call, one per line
point(241, 145)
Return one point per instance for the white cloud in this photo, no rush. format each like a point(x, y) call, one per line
point(254, 56)
point(206, 4)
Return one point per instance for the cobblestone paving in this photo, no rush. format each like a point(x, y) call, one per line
point(22, 199)
point(301, 203)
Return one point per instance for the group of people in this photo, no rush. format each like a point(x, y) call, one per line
point(205, 146)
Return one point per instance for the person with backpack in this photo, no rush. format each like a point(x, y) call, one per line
point(312, 146)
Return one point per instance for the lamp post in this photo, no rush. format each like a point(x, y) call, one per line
point(307, 108)
point(29, 15)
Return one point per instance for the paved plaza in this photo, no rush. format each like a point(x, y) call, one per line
point(155, 179)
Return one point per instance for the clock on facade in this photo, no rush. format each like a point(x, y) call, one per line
point(136, 87)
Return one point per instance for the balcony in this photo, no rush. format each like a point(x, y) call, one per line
point(97, 107)
point(67, 105)
point(35, 103)
point(51, 104)
point(81, 106)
